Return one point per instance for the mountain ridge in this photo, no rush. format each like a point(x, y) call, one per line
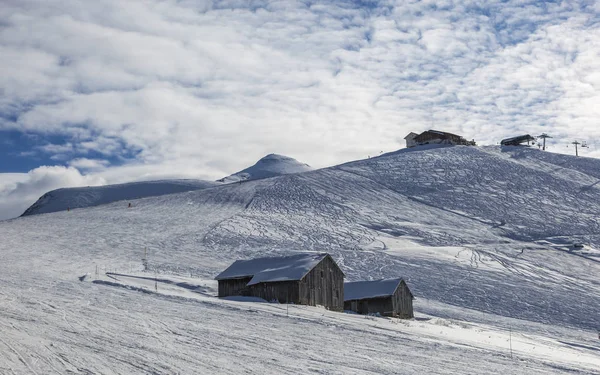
point(271, 165)
point(81, 197)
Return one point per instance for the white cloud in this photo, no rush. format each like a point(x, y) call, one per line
point(89, 164)
point(19, 191)
point(9, 181)
point(201, 88)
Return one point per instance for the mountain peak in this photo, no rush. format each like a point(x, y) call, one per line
point(271, 165)
point(276, 157)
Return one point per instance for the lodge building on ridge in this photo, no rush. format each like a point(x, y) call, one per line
point(436, 137)
point(305, 279)
point(390, 297)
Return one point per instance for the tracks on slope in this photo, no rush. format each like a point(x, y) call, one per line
point(417, 200)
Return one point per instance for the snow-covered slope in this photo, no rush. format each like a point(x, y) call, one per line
point(271, 165)
point(482, 236)
point(70, 198)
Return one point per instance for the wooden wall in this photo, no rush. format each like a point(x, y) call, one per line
point(233, 287)
point(427, 137)
point(402, 300)
point(281, 291)
point(324, 286)
point(381, 305)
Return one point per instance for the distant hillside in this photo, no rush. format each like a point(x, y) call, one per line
point(271, 165)
point(70, 198)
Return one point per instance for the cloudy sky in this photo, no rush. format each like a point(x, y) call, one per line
point(109, 91)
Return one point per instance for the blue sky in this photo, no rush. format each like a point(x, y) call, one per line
point(111, 91)
point(15, 153)
point(24, 151)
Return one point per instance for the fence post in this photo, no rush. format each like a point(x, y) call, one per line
point(510, 339)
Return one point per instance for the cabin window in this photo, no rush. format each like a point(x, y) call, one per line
point(322, 274)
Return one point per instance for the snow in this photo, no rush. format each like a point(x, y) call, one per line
point(481, 235)
point(71, 198)
point(370, 289)
point(271, 269)
point(271, 165)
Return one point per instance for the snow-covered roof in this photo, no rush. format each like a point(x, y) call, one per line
point(518, 139)
point(264, 270)
point(370, 289)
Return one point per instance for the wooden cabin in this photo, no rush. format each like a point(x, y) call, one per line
point(305, 279)
point(389, 297)
point(438, 137)
point(517, 141)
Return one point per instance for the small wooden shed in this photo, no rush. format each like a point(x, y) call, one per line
point(305, 279)
point(388, 297)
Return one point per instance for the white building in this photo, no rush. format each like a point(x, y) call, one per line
point(410, 140)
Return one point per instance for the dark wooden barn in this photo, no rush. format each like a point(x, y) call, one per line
point(305, 279)
point(517, 141)
point(438, 137)
point(389, 297)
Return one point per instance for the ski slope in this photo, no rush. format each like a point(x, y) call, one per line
point(482, 236)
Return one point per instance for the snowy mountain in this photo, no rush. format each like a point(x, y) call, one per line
point(271, 165)
point(500, 247)
point(70, 198)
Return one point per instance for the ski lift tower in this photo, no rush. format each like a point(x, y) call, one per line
point(544, 136)
point(576, 143)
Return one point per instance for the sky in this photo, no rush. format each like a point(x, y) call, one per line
point(113, 91)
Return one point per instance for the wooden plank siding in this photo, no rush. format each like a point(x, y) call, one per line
point(379, 305)
point(428, 136)
point(233, 287)
point(402, 302)
point(324, 286)
point(281, 291)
